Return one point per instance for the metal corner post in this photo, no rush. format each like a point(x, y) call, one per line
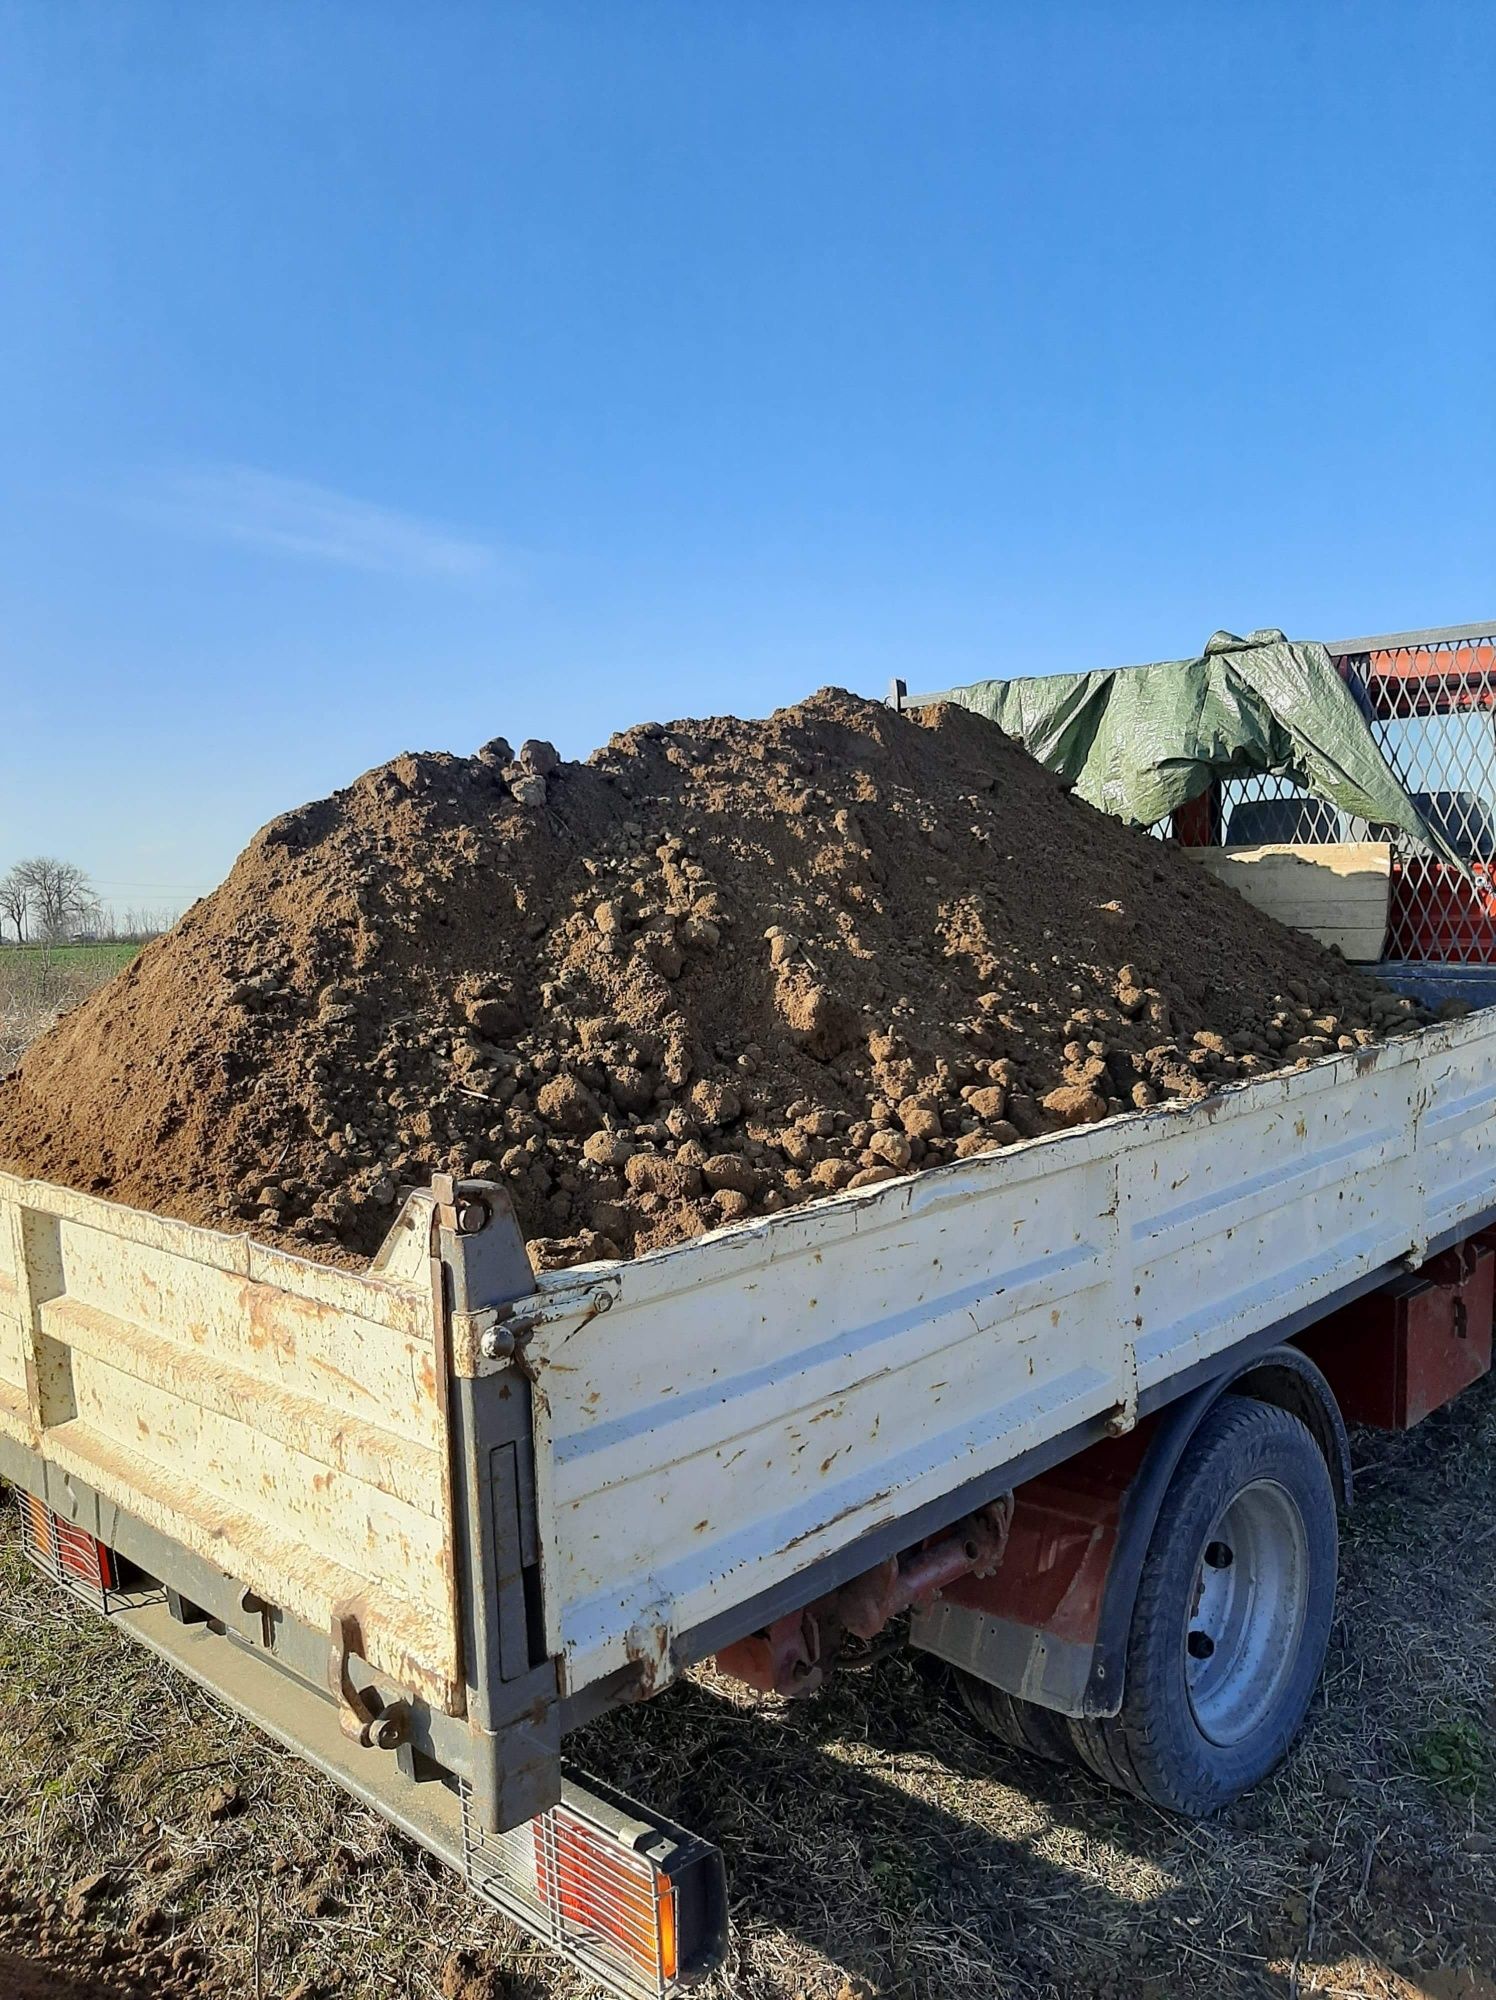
point(512, 1682)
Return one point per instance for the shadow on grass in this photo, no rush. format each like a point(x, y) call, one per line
point(881, 1830)
point(878, 1828)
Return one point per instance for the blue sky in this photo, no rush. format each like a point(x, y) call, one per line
point(388, 376)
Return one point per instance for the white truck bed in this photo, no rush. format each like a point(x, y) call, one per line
point(756, 1400)
point(711, 1421)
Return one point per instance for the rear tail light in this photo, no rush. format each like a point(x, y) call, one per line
point(638, 1903)
point(78, 1561)
point(601, 1890)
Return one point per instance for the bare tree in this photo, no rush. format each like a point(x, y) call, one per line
point(132, 925)
point(15, 902)
point(59, 894)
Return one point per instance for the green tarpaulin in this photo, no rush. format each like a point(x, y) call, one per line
point(1140, 742)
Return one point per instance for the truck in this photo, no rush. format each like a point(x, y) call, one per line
point(1071, 1417)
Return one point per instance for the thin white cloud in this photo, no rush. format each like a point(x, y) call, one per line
point(294, 517)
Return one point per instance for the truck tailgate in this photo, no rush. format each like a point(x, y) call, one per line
point(283, 1420)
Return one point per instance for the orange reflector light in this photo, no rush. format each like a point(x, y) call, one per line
point(637, 1902)
point(606, 1894)
point(65, 1552)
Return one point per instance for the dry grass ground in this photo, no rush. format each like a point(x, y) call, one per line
point(875, 1843)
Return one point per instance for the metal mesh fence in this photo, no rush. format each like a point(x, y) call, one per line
point(1261, 811)
point(1431, 704)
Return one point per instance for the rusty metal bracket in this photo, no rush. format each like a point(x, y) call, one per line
point(480, 1244)
point(649, 1646)
point(361, 1715)
point(795, 1654)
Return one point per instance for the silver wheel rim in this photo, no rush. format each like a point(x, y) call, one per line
point(1247, 1615)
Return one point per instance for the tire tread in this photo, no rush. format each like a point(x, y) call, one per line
point(1128, 1750)
point(1137, 1750)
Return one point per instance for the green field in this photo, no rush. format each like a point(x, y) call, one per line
point(104, 958)
point(39, 981)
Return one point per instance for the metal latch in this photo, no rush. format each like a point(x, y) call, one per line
point(361, 1714)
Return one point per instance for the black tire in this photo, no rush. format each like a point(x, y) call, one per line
point(1022, 1725)
point(1251, 1454)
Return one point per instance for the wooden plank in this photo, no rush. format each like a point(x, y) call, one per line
point(1338, 892)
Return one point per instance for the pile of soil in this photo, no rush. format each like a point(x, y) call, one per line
point(720, 968)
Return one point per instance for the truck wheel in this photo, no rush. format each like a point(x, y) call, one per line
point(1232, 1616)
point(1022, 1725)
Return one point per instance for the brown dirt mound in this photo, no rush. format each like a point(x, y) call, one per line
point(720, 968)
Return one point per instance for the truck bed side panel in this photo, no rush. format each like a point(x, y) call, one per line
point(712, 1419)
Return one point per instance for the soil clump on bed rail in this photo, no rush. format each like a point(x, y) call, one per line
point(718, 969)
